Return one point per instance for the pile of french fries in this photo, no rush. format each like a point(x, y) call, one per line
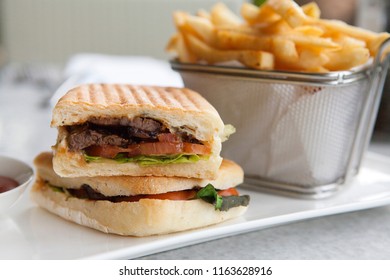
point(278, 35)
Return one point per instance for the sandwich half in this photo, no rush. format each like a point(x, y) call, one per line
point(140, 206)
point(112, 129)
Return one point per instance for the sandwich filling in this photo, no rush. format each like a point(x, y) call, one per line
point(138, 139)
point(222, 200)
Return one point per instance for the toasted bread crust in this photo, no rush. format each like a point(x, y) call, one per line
point(175, 107)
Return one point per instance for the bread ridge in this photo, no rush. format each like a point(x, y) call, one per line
point(175, 107)
point(143, 218)
point(229, 175)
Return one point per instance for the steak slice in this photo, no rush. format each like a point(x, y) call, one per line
point(81, 137)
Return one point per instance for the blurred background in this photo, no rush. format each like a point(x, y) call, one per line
point(50, 31)
point(39, 37)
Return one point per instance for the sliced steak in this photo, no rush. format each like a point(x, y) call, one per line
point(140, 123)
point(119, 132)
point(81, 137)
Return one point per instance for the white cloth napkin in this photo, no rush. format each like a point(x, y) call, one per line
point(100, 68)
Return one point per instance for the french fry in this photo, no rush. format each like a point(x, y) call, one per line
point(347, 58)
point(252, 59)
point(309, 30)
point(309, 59)
point(289, 11)
point(262, 15)
point(228, 39)
point(336, 26)
point(177, 44)
point(202, 27)
point(249, 12)
point(172, 43)
point(284, 50)
point(312, 10)
point(348, 41)
point(221, 15)
point(257, 59)
point(374, 44)
point(203, 14)
point(277, 35)
point(279, 27)
point(179, 19)
point(313, 41)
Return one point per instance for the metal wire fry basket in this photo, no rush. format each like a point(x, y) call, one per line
point(298, 134)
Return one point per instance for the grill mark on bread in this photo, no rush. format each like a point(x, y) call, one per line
point(152, 96)
point(168, 99)
point(139, 95)
point(107, 94)
point(84, 94)
point(186, 98)
point(97, 95)
point(124, 95)
point(113, 98)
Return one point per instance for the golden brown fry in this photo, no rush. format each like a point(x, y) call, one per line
point(312, 41)
point(203, 14)
point(277, 34)
point(284, 50)
point(252, 59)
point(279, 27)
point(249, 12)
point(309, 30)
point(289, 11)
point(348, 41)
point(183, 51)
point(231, 39)
point(347, 58)
point(172, 43)
point(221, 15)
point(262, 15)
point(178, 45)
point(336, 27)
point(179, 18)
point(312, 10)
point(257, 59)
point(309, 59)
point(374, 44)
point(201, 27)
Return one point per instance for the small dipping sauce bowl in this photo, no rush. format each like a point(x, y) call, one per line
point(15, 176)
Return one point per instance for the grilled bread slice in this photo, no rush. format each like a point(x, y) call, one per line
point(112, 129)
point(137, 206)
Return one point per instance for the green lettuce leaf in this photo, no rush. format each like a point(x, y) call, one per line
point(151, 160)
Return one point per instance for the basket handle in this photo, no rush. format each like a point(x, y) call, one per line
point(365, 129)
point(383, 52)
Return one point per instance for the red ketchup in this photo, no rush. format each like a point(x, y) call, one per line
point(7, 184)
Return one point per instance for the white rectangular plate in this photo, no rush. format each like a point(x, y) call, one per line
point(28, 232)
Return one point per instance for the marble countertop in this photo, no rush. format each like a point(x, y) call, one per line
point(356, 235)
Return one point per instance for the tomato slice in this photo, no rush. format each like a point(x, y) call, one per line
point(177, 195)
point(155, 148)
point(105, 151)
point(228, 192)
point(188, 194)
point(198, 149)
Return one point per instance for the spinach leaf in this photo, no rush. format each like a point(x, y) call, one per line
point(222, 203)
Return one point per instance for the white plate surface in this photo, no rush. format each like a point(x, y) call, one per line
point(28, 232)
